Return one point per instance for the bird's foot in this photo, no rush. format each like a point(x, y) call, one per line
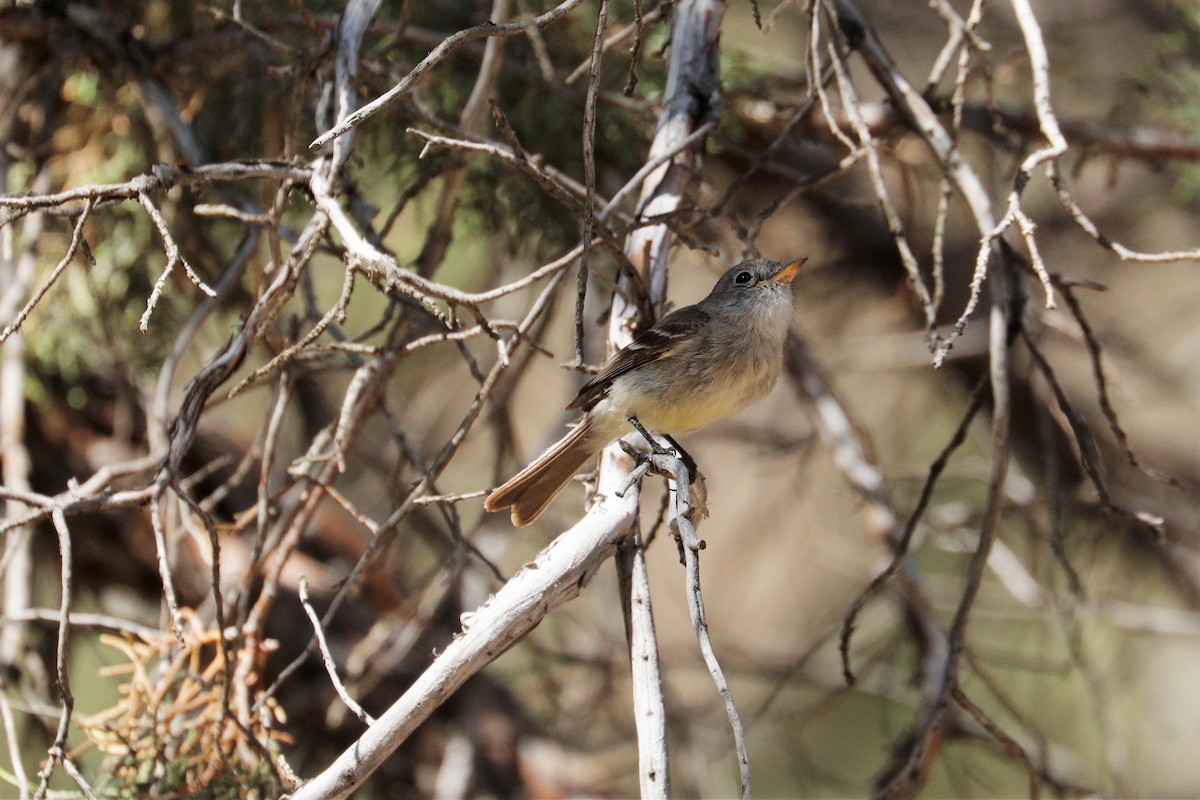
point(675, 451)
point(655, 448)
point(685, 457)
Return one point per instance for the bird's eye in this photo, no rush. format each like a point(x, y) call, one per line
point(743, 278)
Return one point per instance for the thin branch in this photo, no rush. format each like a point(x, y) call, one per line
point(336, 313)
point(76, 240)
point(230, 212)
point(684, 145)
point(1089, 227)
point(900, 547)
point(1096, 356)
point(85, 621)
point(589, 177)
point(16, 764)
point(71, 505)
point(841, 435)
point(173, 258)
point(1089, 451)
point(435, 57)
point(444, 499)
point(327, 658)
point(915, 764)
point(1035, 47)
point(692, 544)
point(384, 266)
point(58, 750)
point(960, 30)
point(875, 170)
point(1007, 742)
point(160, 178)
point(636, 30)
point(158, 411)
point(639, 38)
point(162, 556)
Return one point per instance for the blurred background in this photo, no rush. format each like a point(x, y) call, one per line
point(1084, 642)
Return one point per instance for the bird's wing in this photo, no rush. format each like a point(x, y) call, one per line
point(650, 345)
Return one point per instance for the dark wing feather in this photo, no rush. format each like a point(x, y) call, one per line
point(650, 345)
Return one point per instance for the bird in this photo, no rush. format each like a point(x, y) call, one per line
point(697, 365)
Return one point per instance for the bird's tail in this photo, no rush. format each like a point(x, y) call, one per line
point(531, 490)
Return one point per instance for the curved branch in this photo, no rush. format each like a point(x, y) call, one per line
point(435, 57)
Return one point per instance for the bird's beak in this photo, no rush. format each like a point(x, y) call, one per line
point(787, 273)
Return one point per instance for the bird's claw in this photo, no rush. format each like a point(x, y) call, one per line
point(655, 448)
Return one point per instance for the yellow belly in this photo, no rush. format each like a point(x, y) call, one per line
point(681, 411)
point(681, 416)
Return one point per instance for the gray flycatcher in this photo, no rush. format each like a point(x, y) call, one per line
point(695, 366)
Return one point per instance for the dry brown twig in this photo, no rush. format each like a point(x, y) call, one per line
point(175, 713)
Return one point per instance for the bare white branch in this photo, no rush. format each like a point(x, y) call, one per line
point(434, 58)
point(556, 575)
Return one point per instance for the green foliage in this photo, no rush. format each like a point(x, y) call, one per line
point(242, 103)
point(1176, 74)
point(91, 325)
point(503, 204)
